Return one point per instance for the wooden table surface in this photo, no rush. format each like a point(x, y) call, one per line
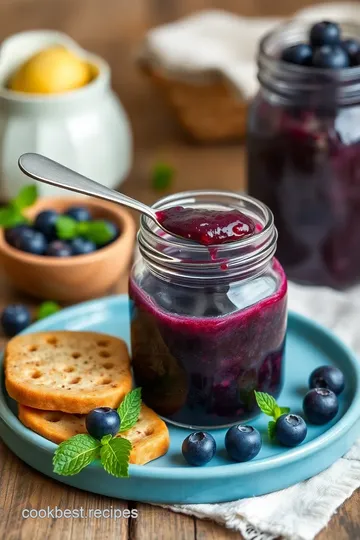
point(113, 28)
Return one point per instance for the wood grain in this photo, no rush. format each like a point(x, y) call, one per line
point(113, 29)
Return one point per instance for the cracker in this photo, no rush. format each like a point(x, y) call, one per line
point(67, 371)
point(149, 436)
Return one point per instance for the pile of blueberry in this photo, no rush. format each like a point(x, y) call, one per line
point(243, 443)
point(325, 49)
point(41, 237)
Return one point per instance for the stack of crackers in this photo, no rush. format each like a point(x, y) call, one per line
point(58, 377)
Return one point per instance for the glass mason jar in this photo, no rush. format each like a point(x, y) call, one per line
point(304, 160)
point(208, 324)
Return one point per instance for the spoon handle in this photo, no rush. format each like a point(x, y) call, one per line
point(50, 172)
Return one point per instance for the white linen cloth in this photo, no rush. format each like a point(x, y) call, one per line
point(301, 511)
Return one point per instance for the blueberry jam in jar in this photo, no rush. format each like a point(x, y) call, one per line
point(304, 154)
point(208, 323)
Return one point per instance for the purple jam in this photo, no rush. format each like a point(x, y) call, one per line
point(305, 165)
point(207, 227)
point(199, 354)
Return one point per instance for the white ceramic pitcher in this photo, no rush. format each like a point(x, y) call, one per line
point(86, 129)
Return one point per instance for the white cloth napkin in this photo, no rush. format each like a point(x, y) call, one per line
point(301, 511)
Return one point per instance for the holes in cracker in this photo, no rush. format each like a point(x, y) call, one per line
point(105, 380)
point(69, 369)
point(33, 348)
point(76, 380)
point(148, 431)
point(36, 375)
point(53, 416)
point(104, 354)
point(52, 340)
point(102, 343)
point(76, 355)
point(108, 365)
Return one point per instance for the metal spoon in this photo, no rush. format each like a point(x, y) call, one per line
point(51, 172)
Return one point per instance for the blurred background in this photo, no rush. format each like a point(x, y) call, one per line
point(114, 29)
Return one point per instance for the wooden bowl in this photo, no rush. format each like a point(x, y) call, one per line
point(78, 278)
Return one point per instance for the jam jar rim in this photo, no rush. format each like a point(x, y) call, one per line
point(246, 257)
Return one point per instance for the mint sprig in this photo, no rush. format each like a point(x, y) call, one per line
point(73, 455)
point(115, 457)
point(97, 231)
point(161, 176)
point(46, 309)
point(11, 215)
point(129, 409)
point(267, 404)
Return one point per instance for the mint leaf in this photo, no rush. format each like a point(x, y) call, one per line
point(105, 439)
point(284, 410)
point(66, 227)
point(266, 403)
point(73, 455)
point(10, 217)
point(46, 309)
point(129, 409)
point(271, 430)
point(115, 457)
point(161, 176)
point(98, 232)
point(26, 197)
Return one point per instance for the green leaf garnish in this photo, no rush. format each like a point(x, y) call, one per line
point(266, 402)
point(129, 409)
point(106, 439)
point(26, 197)
point(11, 214)
point(46, 309)
point(162, 176)
point(73, 455)
point(66, 227)
point(271, 429)
point(98, 231)
point(115, 457)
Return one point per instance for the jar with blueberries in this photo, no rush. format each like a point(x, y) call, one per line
point(208, 323)
point(304, 148)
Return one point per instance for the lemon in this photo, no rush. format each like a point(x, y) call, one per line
point(50, 71)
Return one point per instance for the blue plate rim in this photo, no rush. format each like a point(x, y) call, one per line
point(201, 473)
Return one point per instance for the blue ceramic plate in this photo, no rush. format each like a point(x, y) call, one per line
point(169, 479)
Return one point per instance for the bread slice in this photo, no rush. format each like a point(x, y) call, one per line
point(66, 371)
point(149, 436)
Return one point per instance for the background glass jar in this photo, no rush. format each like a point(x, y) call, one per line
point(208, 325)
point(304, 160)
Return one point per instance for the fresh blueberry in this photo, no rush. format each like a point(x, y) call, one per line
point(352, 47)
point(243, 442)
point(114, 231)
point(331, 56)
point(320, 405)
point(290, 429)
point(329, 377)
point(58, 248)
point(13, 234)
point(199, 448)
point(79, 213)
point(14, 319)
point(102, 421)
point(32, 241)
point(324, 33)
point(300, 54)
point(82, 246)
point(45, 223)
